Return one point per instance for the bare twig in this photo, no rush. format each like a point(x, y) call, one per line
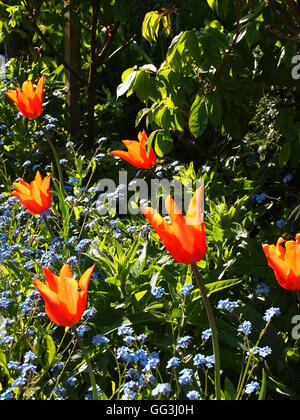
point(235, 39)
point(32, 21)
point(284, 17)
point(133, 38)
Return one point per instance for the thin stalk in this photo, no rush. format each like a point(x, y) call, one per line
point(60, 174)
point(215, 338)
point(89, 365)
point(48, 227)
point(250, 358)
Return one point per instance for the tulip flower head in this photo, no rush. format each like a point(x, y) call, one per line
point(28, 101)
point(64, 302)
point(36, 195)
point(137, 153)
point(184, 237)
point(285, 261)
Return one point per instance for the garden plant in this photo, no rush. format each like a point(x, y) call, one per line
point(149, 200)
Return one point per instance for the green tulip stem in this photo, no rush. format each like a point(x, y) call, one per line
point(89, 365)
point(212, 323)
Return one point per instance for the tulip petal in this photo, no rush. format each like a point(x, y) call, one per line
point(68, 293)
point(85, 279)
point(194, 213)
point(12, 94)
point(48, 295)
point(28, 89)
point(52, 280)
point(59, 315)
point(29, 102)
point(39, 179)
point(137, 154)
point(40, 88)
point(173, 210)
point(81, 304)
point(280, 270)
point(154, 218)
point(66, 272)
point(291, 260)
point(23, 189)
point(46, 184)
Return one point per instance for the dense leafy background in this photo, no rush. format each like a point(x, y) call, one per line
point(211, 81)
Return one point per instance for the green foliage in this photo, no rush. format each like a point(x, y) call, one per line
point(220, 106)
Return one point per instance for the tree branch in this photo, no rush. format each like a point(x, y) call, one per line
point(56, 54)
point(283, 16)
point(238, 13)
point(290, 37)
point(120, 48)
point(294, 9)
point(109, 40)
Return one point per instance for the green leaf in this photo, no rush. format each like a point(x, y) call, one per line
point(151, 139)
point(115, 281)
point(285, 154)
point(214, 108)
point(263, 391)
point(126, 85)
point(221, 285)
point(150, 27)
point(3, 363)
point(179, 120)
point(212, 4)
point(140, 295)
point(229, 390)
point(144, 86)
point(50, 350)
point(198, 120)
point(163, 143)
point(163, 118)
point(141, 114)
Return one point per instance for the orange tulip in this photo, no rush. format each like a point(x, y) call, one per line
point(36, 195)
point(29, 101)
point(64, 303)
point(285, 261)
point(184, 238)
point(137, 154)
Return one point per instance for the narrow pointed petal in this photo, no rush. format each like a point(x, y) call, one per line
point(12, 94)
point(47, 294)
point(68, 293)
point(52, 280)
point(66, 272)
point(195, 210)
point(40, 88)
point(85, 279)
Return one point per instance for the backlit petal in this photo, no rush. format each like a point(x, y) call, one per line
point(85, 279)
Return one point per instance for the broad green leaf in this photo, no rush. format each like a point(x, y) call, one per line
point(285, 154)
point(221, 285)
point(3, 363)
point(163, 143)
point(214, 108)
point(50, 349)
point(140, 295)
point(263, 390)
point(198, 120)
point(141, 114)
point(126, 85)
point(150, 27)
point(229, 390)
